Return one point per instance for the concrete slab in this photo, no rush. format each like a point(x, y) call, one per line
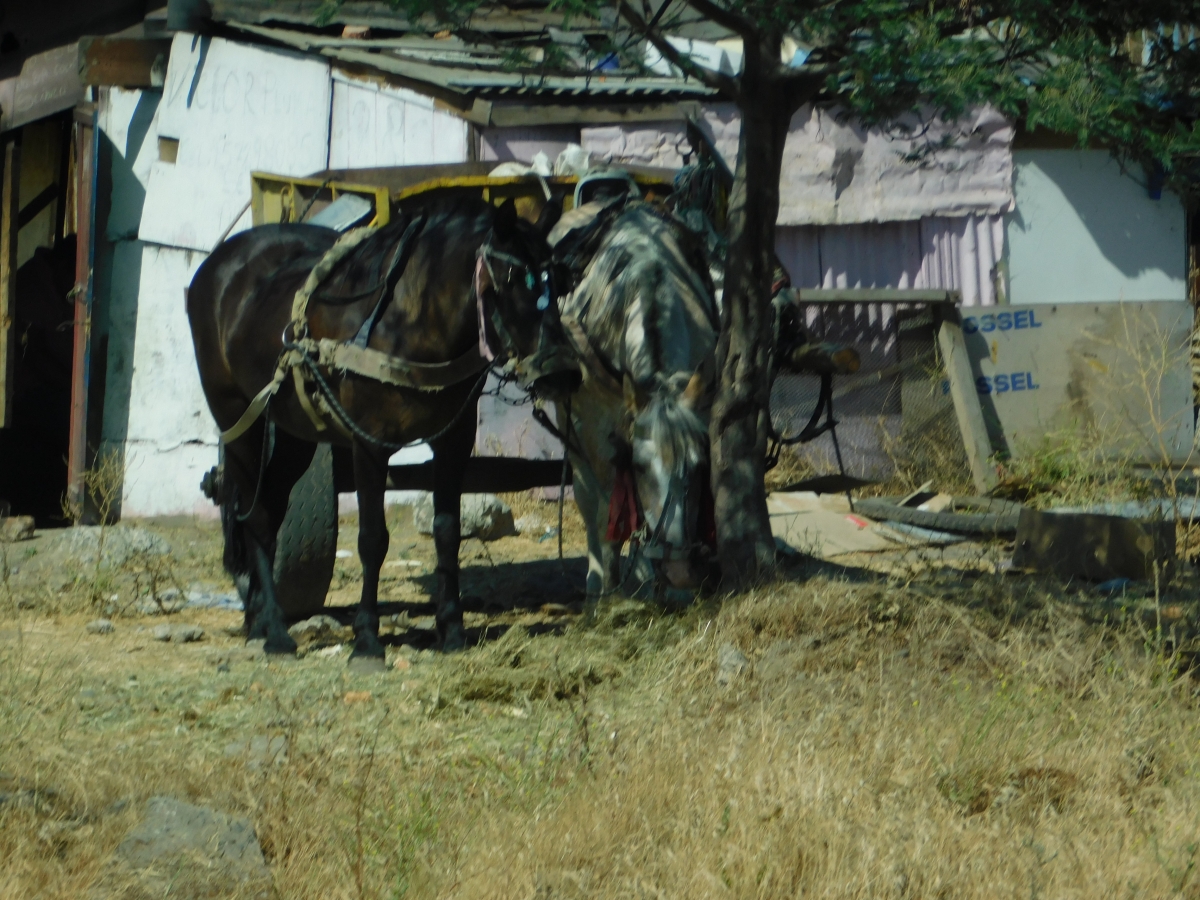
point(824, 526)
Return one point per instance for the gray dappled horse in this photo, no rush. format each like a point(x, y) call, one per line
point(644, 320)
point(414, 296)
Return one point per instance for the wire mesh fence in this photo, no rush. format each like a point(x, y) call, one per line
point(896, 420)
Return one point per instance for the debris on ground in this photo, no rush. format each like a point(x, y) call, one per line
point(981, 516)
point(924, 536)
point(483, 516)
point(16, 528)
point(187, 851)
point(99, 626)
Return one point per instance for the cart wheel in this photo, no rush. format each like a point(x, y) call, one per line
point(307, 543)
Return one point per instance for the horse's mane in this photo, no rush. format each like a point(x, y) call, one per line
point(675, 428)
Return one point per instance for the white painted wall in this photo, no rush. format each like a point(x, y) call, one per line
point(375, 124)
point(155, 414)
point(234, 109)
point(1084, 232)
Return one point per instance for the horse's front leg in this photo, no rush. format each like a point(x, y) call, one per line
point(450, 456)
point(370, 476)
point(604, 557)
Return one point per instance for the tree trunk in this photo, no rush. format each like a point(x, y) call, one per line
point(738, 430)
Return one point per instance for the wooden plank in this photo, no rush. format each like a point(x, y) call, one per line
point(124, 62)
point(85, 213)
point(47, 83)
point(874, 295)
point(966, 400)
point(9, 213)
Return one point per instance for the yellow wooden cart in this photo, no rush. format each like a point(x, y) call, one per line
point(284, 198)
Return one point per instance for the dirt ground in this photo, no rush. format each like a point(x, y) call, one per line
point(919, 725)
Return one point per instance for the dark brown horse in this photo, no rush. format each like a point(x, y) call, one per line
point(409, 290)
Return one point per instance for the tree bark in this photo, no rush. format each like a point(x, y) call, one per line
point(738, 430)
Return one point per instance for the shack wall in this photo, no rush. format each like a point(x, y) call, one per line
point(1082, 231)
point(179, 164)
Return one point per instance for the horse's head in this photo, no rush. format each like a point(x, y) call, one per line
point(517, 285)
point(667, 453)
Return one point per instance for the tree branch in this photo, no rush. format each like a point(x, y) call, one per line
point(709, 78)
point(726, 18)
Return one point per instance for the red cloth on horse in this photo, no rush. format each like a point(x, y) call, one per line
point(622, 508)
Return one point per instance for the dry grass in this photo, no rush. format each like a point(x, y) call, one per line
point(982, 737)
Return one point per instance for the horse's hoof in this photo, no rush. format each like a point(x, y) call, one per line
point(280, 646)
point(367, 665)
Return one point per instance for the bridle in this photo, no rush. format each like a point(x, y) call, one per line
point(685, 497)
point(487, 257)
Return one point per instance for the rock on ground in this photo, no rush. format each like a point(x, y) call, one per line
point(187, 852)
point(483, 516)
point(121, 543)
point(16, 528)
point(99, 626)
point(178, 634)
point(261, 750)
point(320, 630)
point(731, 664)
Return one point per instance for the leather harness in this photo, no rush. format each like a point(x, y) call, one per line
point(350, 356)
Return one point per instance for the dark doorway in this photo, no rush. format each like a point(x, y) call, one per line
point(33, 449)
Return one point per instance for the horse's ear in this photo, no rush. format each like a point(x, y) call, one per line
point(549, 216)
point(635, 397)
point(505, 224)
point(699, 386)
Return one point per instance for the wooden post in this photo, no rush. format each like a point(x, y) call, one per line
point(10, 206)
point(966, 399)
point(85, 207)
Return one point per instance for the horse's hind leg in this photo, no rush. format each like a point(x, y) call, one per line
point(258, 482)
point(450, 456)
point(370, 477)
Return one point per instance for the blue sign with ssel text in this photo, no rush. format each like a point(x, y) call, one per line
point(1005, 321)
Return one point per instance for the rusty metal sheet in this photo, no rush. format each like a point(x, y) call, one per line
point(1116, 376)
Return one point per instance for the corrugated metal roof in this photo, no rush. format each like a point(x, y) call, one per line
point(479, 71)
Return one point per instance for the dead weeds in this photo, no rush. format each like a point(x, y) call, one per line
point(941, 736)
